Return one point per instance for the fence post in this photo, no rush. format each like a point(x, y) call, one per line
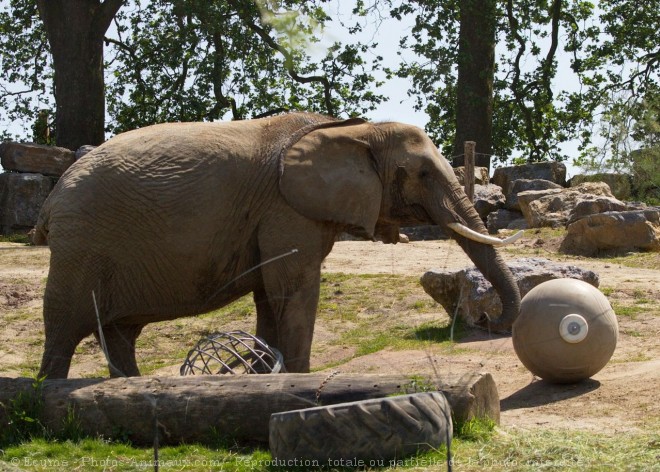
point(469, 147)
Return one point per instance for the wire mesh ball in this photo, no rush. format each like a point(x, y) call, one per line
point(566, 331)
point(235, 352)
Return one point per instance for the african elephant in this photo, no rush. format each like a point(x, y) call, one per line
point(179, 219)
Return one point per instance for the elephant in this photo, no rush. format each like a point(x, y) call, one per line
point(178, 219)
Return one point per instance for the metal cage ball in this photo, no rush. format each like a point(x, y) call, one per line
point(566, 331)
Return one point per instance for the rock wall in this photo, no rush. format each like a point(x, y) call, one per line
point(31, 171)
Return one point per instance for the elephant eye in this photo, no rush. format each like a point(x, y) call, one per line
point(423, 174)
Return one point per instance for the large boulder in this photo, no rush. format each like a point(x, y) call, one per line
point(466, 293)
point(505, 219)
point(620, 184)
point(613, 232)
point(480, 175)
point(592, 207)
point(21, 197)
point(35, 158)
point(552, 207)
point(552, 171)
point(525, 185)
point(487, 198)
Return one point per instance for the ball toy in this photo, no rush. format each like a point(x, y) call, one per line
point(566, 331)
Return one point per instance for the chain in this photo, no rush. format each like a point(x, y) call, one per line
point(323, 384)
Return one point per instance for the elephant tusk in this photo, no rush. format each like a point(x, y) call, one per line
point(482, 238)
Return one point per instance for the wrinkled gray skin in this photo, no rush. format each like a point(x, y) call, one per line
point(161, 222)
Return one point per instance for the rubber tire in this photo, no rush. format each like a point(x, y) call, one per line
point(377, 429)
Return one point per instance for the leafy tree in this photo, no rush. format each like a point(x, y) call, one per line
point(25, 68)
point(75, 31)
point(190, 60)
point(173, 60)
point(528, 115)
point(621, 75)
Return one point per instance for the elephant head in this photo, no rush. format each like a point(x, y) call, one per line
point(371, 178)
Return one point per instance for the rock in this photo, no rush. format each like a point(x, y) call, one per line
point(480, 175)
point(21, 197)
point(505, 219)
point(84, 150)
point(35, 158)
point(611, 232)
point(592, 207)
point(524, 185)
point(552, 207)
point(403, 238)
point(620, 184)
point(552, 171)
point(469, 295)
point(487, 198)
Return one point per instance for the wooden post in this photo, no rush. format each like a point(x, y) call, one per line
point(198, 408)
point(469, 147)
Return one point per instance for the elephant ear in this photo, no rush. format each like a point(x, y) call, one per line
point(329, 175)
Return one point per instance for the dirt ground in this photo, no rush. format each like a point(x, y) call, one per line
point(620, 398)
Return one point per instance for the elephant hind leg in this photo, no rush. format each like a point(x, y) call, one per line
point(58, 352)
point(60, 344)
point(119, 340)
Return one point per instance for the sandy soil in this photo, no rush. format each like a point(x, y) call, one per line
point(622, 397)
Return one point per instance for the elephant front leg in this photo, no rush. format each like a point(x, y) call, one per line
point(286, 316)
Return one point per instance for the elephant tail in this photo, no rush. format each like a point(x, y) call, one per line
point(39, 234)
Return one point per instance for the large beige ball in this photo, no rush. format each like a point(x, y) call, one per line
point(566, 331)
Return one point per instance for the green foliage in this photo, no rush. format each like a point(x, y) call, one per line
point(15, 238)
point(71, 426)
point(630, 134)
point(528, 116)
point(514, 449)
point(23, 413)
point(188, 60)
point(25, 69)
point(475, 429)
point(185, 60)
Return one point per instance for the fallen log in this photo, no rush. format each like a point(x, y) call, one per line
point(199, 409)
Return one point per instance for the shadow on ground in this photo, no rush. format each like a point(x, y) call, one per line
point(542, 393)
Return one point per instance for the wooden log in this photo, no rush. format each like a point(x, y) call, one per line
point(204, 408)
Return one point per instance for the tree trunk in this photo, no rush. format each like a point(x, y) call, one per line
point(203, 408)
point(476, 69)
point(75, 30)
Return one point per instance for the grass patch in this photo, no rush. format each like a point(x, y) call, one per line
point(539, 449)
point(476, 429)
point(15, 238)
point(476, 446)
point(368, 340)
point(607, 291)
point(640, 260)
point(628, 311)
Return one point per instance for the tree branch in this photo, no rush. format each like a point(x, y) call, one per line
point(131, 52)
point(288, 58)
point(104, 15)
point(218, 80)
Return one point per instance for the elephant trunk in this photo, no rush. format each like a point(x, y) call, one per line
point(484, 256)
